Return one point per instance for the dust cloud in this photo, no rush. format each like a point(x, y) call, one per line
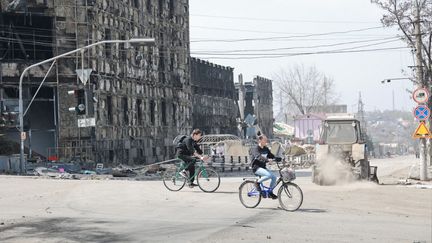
point(334, 171)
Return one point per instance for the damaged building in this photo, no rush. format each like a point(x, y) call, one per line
point(255, 101)
point(214, 99)
point(137, 98)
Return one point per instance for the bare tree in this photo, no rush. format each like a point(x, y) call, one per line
point(305, 88)
point(401, 13)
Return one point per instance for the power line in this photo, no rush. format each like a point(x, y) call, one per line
point(303, 54)
point(302, 47)
point(287, 37)
point(284, 20)
point(250, 30)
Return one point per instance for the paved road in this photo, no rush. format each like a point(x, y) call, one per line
point(41, 210)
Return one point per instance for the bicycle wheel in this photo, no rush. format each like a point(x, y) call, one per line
point(249, 196)
point(290, 196)
point(173, 181)
point(208, 180)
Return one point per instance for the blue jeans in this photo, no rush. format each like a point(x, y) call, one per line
point(265, 175)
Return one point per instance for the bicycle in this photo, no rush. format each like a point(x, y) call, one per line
point(290, 195)
point(208, 179)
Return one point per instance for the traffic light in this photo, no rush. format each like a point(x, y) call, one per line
point(80, 96)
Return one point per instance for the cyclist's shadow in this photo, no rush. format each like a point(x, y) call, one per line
point(304, 210)
point(216, 192)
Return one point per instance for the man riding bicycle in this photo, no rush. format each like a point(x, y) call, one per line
point(188, 151)
point(260, 154)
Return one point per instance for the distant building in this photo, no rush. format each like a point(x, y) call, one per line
point(214, 104)
point(256, 99)
point(308, 127)
point(330, 109)
point(140, 96)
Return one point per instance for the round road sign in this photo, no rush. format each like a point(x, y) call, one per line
point(421, 95)
point(421, 112)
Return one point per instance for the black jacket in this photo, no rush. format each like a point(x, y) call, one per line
point(188, 147)
point(258, 158)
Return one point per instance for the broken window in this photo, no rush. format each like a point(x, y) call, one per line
point(149, 6)
point(174, 115)
point(122, 50)
point(160, 7)
point(125, 110)
point(171, 9)
point(109, 110)
point(108, 45)
point(44, 92)
point(26, 37)
point(135, 3)
point(11, 92)
point(152, 112)
point(139, 111)
point(163, 108)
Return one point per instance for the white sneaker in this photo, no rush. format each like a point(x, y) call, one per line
point(183, 174)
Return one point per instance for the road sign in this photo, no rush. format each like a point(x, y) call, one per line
point(421, 95)
point(23, 136)
point(422, 112)
point(422, 131)
point(84, 74)
point(87, 122)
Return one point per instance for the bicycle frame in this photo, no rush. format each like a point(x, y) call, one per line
point(198, 163)
point(266, 190)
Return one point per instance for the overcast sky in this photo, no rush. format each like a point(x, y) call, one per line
point(214, 21)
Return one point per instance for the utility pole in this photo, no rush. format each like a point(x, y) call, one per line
point(361, 117)
point(422, 84)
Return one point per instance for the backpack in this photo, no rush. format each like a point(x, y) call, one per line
point(178, 141)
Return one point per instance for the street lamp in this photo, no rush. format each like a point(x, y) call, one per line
point(388, 80)
point(147, 41)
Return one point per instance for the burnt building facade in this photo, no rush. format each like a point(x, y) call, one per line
point(255, 100)
point(214, 108)
point(139, 96)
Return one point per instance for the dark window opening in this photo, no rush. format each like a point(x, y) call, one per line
point(163, 109)
point(135, 3)
point(149, 6)
point(161, 77)
point(107, 45)
point(109, 110)
point(123, 51)
point(161, 61)
point(174, 114)
point(160, 7)
point(44, 92)
point(11, 93)
point(125, 110)
point(139, 111)
point(26, 37)
point(150, 58)
point(111, 155)
point(172, 60)
point(152, 112)
point(171, 9)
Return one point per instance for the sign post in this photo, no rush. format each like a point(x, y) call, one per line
point(422, 113)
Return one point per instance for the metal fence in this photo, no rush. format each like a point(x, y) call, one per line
point(230, 163)
point(301, 161)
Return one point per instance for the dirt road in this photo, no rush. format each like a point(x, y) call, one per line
point(43, 210)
